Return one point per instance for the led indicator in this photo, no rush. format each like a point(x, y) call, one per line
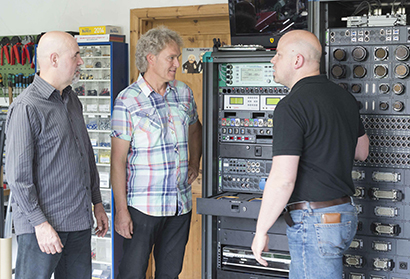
point(236, 101)
point(272, 101)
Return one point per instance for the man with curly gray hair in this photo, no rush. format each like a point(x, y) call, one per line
point(153, 42)
point(154, 124)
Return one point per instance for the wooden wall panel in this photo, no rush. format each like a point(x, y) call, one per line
point(197, 25)
point(187, 20)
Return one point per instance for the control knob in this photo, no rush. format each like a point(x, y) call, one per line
point(359, 71)
point(380, 71)
point(398, 88)
point(398, 106)
point(356, 88)
point(401, 70)
point(338, 71)
point(402, 53)
point(359, 53)
point(384, 105)
point(380, 53)
point(339, 54)
point(384, 88)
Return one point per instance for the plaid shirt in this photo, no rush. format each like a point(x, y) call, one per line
point(157, 128)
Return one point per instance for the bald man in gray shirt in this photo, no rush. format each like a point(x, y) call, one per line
point(51, 170)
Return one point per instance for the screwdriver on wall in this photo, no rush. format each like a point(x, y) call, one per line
point(1, 83)
point(10, 91)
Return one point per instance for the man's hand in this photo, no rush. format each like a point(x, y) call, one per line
point(193, 172)
point(195, 150)
point(260, 244)
point(102, 220)
point(48, 239)
point(123, 224)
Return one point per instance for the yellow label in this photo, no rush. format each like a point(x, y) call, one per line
point(271, 40)
point(93, 30)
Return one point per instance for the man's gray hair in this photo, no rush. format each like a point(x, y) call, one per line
point(154, 41)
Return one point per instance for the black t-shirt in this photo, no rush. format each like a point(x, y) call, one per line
point(320, 122)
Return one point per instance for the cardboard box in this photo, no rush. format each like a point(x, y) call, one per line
point(102, 29)
point(100, 38)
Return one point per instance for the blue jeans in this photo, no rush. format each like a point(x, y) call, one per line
point(74, 262)
point(317, 249)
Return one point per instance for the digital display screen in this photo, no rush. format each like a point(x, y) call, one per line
point(252, 74)
point(272, 101)
point(236, 100)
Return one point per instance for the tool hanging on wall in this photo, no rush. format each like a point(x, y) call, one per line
point(27, 50)
point(10, 82)
point(15, 49)
point(1, 90)
point(18, 71)
point(10, 92)
point(4, 43)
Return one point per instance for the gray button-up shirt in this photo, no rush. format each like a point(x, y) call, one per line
point(50, 164)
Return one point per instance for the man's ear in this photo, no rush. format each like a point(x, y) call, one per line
point(54, 59)
point(299, 61)
point(151, 58)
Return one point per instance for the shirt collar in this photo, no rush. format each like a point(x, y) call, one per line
point(146, 89)
point(303, 81)
point(45, 89)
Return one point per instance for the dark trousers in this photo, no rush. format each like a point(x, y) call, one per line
point(74, 262)
point(168, 235)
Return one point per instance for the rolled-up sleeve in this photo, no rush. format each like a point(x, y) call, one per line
point(121, 121)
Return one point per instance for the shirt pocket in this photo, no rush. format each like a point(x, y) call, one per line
point(149, 120)
point(183, 113)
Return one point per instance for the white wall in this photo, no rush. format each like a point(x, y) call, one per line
point(23, 17)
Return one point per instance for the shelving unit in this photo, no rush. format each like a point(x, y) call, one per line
point(103, 75)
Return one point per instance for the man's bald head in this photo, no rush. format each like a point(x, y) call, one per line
point(59, 58)
point(53, 42)
point(297, 56)
point(305, 43)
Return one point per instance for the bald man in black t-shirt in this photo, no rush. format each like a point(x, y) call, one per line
point(317, 135)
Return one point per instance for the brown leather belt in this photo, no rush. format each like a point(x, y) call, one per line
point(317, 205)
point(313, 205)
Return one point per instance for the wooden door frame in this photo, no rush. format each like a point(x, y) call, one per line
point(141, 20)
